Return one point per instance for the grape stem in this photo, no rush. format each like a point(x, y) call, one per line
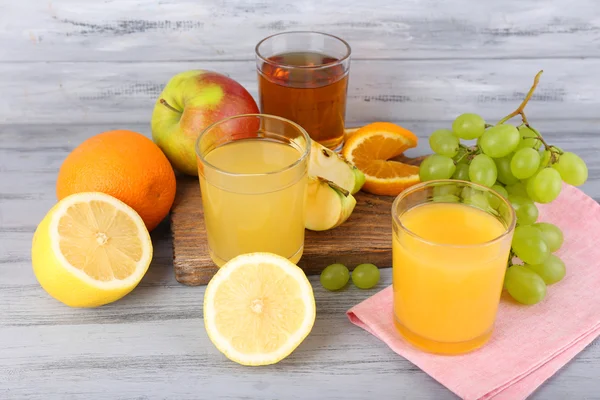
point(519, 110)
point(553, 150)
point(470, 152)
point(511, 255)
point(539, 136)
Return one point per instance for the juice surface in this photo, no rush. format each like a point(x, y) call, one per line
point(246, 214)
point(447, 291)
point(313, 98)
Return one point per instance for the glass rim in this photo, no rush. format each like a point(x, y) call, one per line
point(320, 66)
point(303, 155)
point(414, 188)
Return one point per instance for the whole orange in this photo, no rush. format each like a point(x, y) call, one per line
point(126, 165)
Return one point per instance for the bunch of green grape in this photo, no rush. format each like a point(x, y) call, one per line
point(517, 163)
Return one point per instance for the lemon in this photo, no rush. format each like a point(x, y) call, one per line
point(258, 308)
point(90, 249)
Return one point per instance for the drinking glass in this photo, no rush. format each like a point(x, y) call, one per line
point(451, 242)
point(253, 171)
point(303, 76)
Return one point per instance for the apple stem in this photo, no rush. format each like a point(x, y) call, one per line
point(164, 103)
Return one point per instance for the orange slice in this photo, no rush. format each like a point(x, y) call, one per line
point(348, 132)
point(372, 149)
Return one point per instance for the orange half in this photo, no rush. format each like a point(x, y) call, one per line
point(372, 148)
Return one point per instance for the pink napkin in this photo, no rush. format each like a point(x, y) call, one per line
point(530, 343)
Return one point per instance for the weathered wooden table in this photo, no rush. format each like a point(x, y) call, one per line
point(69, 70)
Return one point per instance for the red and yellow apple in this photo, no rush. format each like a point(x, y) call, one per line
point(190, 102)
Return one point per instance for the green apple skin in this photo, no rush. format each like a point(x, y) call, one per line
point(198, 98)
point(359, 180)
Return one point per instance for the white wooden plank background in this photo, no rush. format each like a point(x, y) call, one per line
point(379, 89)
point(142, 30)
point(71, 69)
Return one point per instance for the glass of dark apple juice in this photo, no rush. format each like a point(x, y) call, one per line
point(303, 76)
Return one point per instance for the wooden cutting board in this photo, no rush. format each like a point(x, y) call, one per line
point(366, 237)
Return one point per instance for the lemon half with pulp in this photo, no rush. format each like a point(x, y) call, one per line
point(258, 308)
point(90, 249)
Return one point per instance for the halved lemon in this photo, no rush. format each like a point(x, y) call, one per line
point(372, 148)
point(258, 308)
point(90, 249)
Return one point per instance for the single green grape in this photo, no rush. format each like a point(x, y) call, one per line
point(461, 172)
point(444, 189)
point(572, 169)
point(365, 276)
point(546, 185)
point(500, 140)
point(517, 189)
point(544, 158)
point(479, 200)
point(444, 142)
point(493, 199)
point(525, 162)
point(446, 198)
point(436, 167)
point(505, 175)
point(501, 190)
point(524, 285)
point(483, 170)
point(551, 234)
point(468, 126)
point(467, 192)
point(527, 212)
point(551, 270)
point(478, 143)
point(335, 277)
point(530, 190)
point(504, 211)
point(476, 198)
point(528, 138)
point(528, 245)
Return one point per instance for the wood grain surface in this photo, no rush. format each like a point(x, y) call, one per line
point(366, 237)
point(71, 69)
point(400, 90)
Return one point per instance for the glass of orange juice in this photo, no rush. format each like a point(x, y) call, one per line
point(451, 243)
point(253, 173)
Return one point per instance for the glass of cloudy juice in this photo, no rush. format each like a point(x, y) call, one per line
point(303, 76)
point(451, 242)
point(253, 171)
